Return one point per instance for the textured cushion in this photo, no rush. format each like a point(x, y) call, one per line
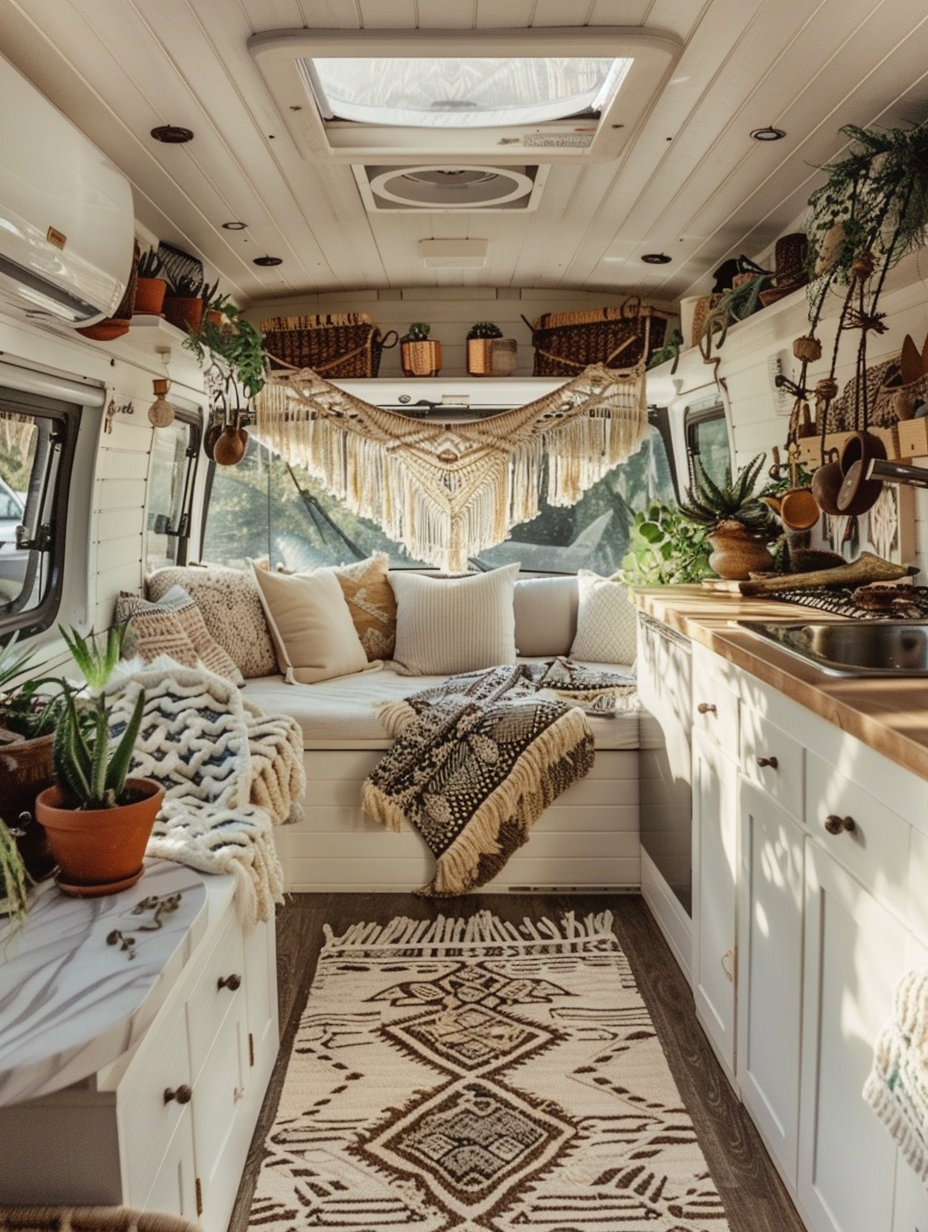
point(231, 608)
point(371, 602)
point(546, 616)
point(447, 625)
point(311, 625)
point(607, 626)
point(157, 628)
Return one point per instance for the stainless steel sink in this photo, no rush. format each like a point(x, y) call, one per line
point(851, 647)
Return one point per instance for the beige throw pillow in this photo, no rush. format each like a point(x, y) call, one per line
point(546, 616)
point(173, 626)
point(371, 602)
point(448, 625)
point(607, 624)
point(311, 625)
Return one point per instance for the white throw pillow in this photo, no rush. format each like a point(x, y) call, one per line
point(546, 616)
point(607, 625)
point(311, 625)
point(448, 625)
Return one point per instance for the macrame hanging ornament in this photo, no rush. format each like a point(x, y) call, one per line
point(447, 491)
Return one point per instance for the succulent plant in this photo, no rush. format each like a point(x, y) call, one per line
point(150, 264)
point(484, 329)
point(187, 286)
point(710, 504)
point(418, 332)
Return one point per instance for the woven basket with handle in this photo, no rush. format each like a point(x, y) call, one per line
point(567, 342)
point(346, 344)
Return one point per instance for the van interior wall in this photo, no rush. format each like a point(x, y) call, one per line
point(450, 311)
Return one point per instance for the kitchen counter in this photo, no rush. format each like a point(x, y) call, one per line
point(888, 715)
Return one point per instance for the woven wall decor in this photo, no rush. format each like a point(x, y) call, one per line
point(447, 491)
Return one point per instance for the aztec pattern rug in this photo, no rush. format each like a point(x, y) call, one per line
point(470, 1075)
point(477, 759)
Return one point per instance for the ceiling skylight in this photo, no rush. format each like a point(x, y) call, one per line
point(455, 92)
point(486, 96)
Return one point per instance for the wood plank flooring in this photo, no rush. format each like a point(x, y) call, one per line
point(754, 1197)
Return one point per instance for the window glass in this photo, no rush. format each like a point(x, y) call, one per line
point(37, 438)
point(265, 508)
point(707, 441)
point(449, 92)
point(172, 471)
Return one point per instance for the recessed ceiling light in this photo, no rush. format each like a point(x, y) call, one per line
point(268, 261)
point(234, 226)
point(172, 134)
point(656, 258)
point(768, 134)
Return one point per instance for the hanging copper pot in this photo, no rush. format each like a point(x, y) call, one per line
point(230, 445)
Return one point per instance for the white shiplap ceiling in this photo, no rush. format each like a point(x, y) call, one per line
point(690, 182)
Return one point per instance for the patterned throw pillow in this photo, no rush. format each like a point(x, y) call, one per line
point(372, 603)
point(607, 625)
point(448, 625)
point(231, 609)
point(153, 630)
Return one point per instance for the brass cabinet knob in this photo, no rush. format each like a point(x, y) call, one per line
point(768, 761)
point(230, 981)
point(182, 1094)
point(839, 825)
point(706, 708)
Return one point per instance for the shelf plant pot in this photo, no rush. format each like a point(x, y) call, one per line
point(99, 851)
point(420, 357)
point(492, 356)
point(149, 297)
point(183, 312)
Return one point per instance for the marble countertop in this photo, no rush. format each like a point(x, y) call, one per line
point(889, 715)
point(73, 1001)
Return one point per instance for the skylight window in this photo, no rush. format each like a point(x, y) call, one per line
point(464, 92)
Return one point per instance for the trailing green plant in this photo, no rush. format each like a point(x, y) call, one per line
point(26, 708)
point(14, 880)
point(150, 264)
point(418, 332)
point(89, 765)
point(236, 344)
point(711, 504)
point(484, 329)
point(664, 549)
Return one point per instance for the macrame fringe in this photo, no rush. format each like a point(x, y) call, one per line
point(448, 491)
point(483, 928)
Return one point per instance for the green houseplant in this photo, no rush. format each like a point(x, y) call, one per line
point(739, 524)
point(231, 353)
point(98, 819)
point(151, 288)
point(665, 548)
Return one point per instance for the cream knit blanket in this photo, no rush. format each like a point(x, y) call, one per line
point(229, 772)
point(897, 1087)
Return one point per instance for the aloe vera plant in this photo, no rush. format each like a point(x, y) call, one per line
point(89, 765)
point(711, 504)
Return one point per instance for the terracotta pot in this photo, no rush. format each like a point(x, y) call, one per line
point(184, 313)
point(25, 770)
point(230, 445)
point(100, 851)
point(149, 296)
point(736, 554)
point(105, 331)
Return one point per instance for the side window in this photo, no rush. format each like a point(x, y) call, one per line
point(707, 440)
point(171, 476)
point(37, 438)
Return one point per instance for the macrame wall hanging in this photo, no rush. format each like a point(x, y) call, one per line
point(447, 491)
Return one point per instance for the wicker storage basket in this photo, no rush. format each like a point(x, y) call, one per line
point(346, 344)
point(567, 342)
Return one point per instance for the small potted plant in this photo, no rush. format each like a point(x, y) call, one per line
point(184, 303)
point(98, 820)
point(740, 523)
point(151, 288)
point(231, 352)
point(419, 355)
point(488, 352)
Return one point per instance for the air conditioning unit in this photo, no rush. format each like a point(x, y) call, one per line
point(66, 214)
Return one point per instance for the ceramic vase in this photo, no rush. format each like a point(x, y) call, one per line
point(736, 553)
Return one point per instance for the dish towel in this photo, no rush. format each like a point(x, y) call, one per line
point(897, 1086)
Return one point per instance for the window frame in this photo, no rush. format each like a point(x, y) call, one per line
point(192, 418)
point(694, 417)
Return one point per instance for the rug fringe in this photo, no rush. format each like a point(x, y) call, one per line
point(484, 928)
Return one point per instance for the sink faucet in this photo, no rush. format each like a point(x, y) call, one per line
point(894, 472)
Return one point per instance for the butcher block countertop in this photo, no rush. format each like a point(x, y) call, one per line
point(888, 714)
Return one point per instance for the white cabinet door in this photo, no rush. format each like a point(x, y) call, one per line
point(770, 916)
point(855, 953)
point(715, 847)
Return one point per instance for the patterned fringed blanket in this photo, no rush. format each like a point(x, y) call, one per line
point(897, 1087)
point(230, 773)
point(479, 758)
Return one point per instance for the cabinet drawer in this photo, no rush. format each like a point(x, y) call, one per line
point(772, 759)
point(870, 840)
point(149, 1122)
point(715, 711)
point(218, 988)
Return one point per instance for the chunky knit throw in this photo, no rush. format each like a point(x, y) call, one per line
point(229, 772)
point(897, 1087)
point(446, 491)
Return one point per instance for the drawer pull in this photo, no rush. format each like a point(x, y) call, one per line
point(706, 708)
point(229, 981)
point(839, 825)
point(183, 1094)
point(768, 761)
point(728, 964)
